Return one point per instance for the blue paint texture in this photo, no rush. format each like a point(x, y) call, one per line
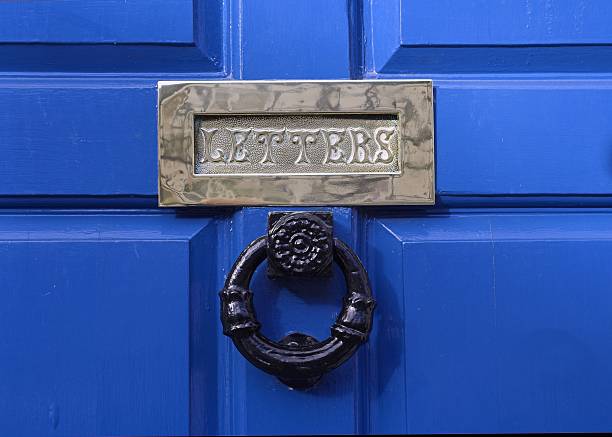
point(493, 305)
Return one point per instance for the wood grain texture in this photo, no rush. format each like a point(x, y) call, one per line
point(489, 319)
point(490, 322)
point(78, 139)
point(294, 39)
point(255, 403)
point(99, 138)
point(96, 21)
point(524, 137)
point(505, 22)
point(114, 37)
point(487, 37)
point(95, 319)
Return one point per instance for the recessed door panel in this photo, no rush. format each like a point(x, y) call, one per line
point(491, 322)
point(499, 22)
point(95, 311)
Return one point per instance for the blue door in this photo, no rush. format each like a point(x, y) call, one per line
point(494, 306)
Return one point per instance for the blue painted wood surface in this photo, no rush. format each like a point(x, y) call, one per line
point(491, 322)
point(144, 38)
point(524, 137)
point(537, 150)
point(108, 60)
point(94, 315)
point(491, 318)
point(96, 21)
point(253, 400)
point(290, 40)
point(562, 39)
point(505, 22)
point(100, 143)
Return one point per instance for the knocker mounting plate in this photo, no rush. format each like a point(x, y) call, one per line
point(300, 244)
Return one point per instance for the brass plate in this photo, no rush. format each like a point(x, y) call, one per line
point(296, 143)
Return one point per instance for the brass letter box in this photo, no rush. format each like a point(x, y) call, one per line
point(296, 142)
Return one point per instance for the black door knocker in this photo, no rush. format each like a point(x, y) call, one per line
point(297, 244)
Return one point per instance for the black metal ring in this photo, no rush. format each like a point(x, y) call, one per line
point(301, 362)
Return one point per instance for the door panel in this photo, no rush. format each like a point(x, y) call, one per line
point(114, 21)
point(554, 138)
point(514, 37)
point(95, 321)
point(63, 38)
point(502, 318)
point(86, 140)
point(502, 22)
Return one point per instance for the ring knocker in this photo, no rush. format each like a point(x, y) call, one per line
point(299, 245)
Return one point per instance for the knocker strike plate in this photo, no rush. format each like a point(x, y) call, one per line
point(296, 142)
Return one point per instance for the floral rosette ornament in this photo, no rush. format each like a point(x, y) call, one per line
point(300, 245)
